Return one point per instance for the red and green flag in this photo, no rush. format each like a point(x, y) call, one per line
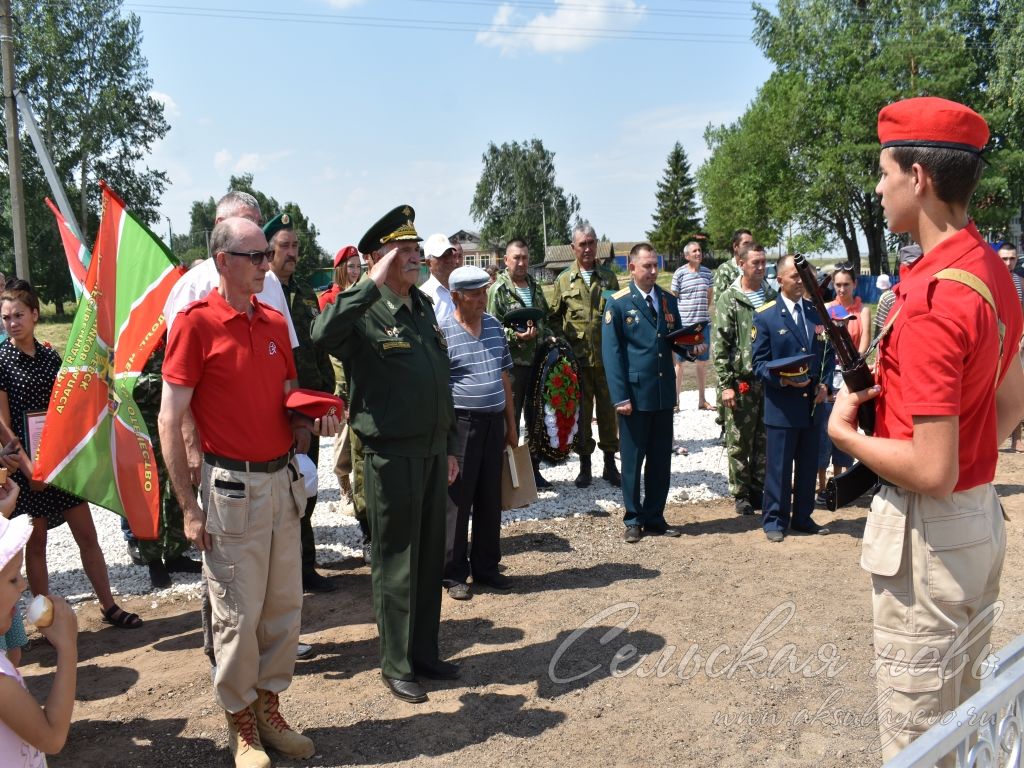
point(94, 442)
point(77, 254)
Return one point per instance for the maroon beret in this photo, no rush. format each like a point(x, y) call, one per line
point(345, 253)
point(315, 404)
point(929, 121)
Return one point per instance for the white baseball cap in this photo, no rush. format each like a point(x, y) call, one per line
point(435, 246)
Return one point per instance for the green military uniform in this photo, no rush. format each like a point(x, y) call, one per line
point(576, 314)
point(314, 372)
point(732, 351)
point(502, 298)
point(171, 542)
point(725, 274)
point(401, 411)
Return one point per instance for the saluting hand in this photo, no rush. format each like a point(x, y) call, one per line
point(379, 271)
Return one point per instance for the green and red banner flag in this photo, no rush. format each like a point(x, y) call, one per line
point(78, 255)
point(94, 442)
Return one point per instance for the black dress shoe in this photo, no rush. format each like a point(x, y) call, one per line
point(158, 575)
point(774, 536)
point(498, 581)
point(406, 690)
point(183, 564)
point(133, 551)
point(632, 534)
point(672, 533)
point(314, 582)
point(437, 670)
point(813, 529)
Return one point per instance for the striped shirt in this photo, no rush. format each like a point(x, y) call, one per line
point(691, 290)
point(476, 364)
point(525, 294)
point(756, 297)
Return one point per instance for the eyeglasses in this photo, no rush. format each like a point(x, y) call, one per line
point(256, 257)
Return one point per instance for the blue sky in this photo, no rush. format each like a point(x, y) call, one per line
point(350, 107)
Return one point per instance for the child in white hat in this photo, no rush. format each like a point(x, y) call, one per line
point(26, 730)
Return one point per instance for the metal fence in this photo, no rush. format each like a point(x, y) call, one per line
point(987, 729)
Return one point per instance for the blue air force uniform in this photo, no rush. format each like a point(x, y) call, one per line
point(793, 423)
point(638, 366)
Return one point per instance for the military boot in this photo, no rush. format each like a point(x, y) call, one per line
point(244, 740)
point(584, 478)
point(274, 732)
point(611, 472)
point(538, 478)
point(346, 489)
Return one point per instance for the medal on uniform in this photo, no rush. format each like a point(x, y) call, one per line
point(392, 331)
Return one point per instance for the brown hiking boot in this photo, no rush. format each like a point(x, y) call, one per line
point(275, 732)
point(244, 740)
point(346, 489)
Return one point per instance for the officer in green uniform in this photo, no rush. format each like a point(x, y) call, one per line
point(742, 397)
point(384, 332)
point(166, 554)
point(515, 289)
point(311, 362)
point(577, 307)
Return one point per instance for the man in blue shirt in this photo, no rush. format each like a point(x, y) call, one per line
point(485, 422)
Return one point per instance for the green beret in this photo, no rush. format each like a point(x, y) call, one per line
point(276, 224)
point(395, 225)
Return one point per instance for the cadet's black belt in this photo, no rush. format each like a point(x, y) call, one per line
point(248, 466)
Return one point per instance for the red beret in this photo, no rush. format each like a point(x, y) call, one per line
point(315, 404)
point(345, 253)
point(932, 122)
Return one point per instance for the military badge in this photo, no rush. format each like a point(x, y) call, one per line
point(782, 331)
point(608, 317)
point(629, 320)
point(753, 332)
point(393, 331)
point(285, 219)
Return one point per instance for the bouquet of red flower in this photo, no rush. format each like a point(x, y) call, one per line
point(553, 402)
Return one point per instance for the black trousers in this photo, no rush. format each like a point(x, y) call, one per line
point(477, 493)
point(306, 523)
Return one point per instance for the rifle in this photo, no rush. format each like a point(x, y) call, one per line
point(858, 479)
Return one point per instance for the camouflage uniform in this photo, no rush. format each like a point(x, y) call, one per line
point(171, 542)
point(314, 372)
point(502, 298)
point(353, 462)
point(732, 351)
point(576, 314)
point(725, 274)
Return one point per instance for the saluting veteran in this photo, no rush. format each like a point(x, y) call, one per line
point(641, 380)
point(384, 331)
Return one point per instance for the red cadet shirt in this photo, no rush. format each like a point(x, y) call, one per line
point(328, 296)
point(237, 368)
point(941, 355)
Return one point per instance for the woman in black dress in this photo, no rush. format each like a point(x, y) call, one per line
point(28, 371)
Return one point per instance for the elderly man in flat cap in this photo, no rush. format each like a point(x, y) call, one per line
point(950, 389)
point(485, 421)
point(384, 331)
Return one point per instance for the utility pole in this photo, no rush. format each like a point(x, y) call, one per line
point(544, 226)
point(13, 149)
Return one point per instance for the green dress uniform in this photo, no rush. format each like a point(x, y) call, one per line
point(171, 542)
point(733, 355)
point(502, 298)
point(315, 372)
point(401, 410)
point(576, 314)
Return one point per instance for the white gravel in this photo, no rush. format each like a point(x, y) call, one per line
point(698, 477)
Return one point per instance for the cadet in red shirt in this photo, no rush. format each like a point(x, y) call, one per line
point(229, 359)
point(949, 389)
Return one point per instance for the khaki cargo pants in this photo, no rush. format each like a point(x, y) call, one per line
point(255, 580)
point(935, 565)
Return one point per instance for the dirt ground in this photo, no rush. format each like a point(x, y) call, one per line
point(548, 670)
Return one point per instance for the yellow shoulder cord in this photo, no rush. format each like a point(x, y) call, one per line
point(977, 285)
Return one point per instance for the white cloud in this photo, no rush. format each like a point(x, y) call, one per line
point(170, 107)
point(248, 162)
point(572, 26)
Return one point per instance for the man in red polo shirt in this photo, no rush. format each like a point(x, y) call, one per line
point(229, 360)
point(949, 389)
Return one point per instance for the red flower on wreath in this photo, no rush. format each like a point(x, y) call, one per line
point(561, 392)
point(744, 387)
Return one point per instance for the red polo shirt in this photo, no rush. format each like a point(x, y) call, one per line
point(237, 367)
point(941, 355)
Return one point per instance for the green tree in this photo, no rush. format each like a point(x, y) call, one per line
point(675, 220)
point(204, 214)
point(517, 193)
point(81, 65)
point(837, 63)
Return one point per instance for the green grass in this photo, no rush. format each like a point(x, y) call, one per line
point(53, 329)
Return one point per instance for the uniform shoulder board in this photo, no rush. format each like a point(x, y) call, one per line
point(621, 293)
point(767, 306)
